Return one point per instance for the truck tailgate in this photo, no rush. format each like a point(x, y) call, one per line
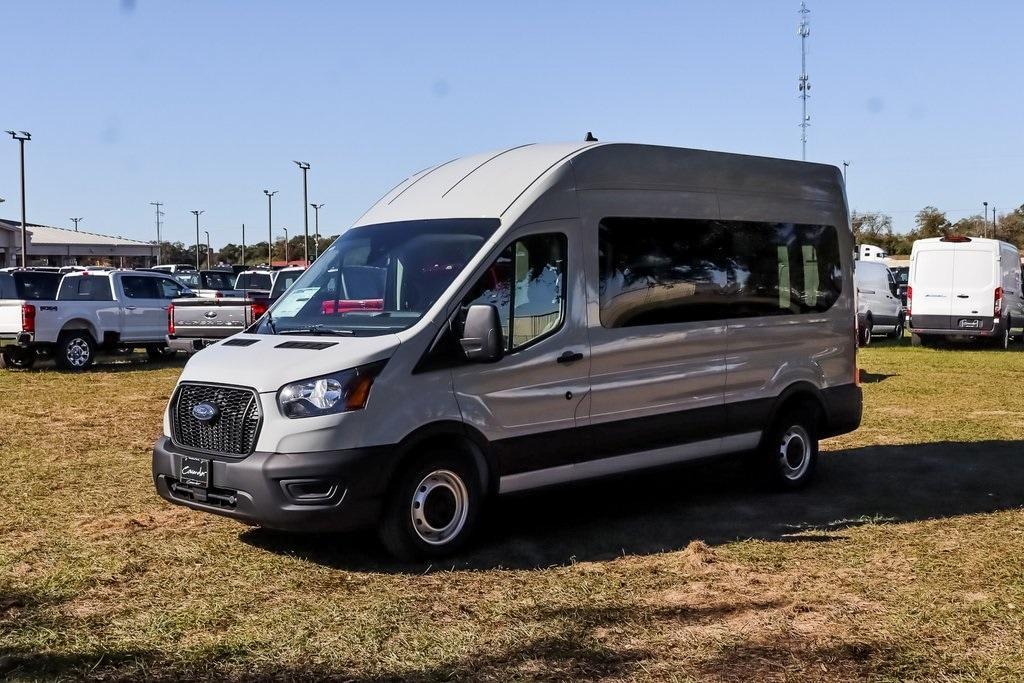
point(210, 318)
point(10, 317)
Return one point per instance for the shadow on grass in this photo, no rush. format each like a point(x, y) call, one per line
point(717, 503)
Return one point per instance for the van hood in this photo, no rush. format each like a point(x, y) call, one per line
point(266, 366)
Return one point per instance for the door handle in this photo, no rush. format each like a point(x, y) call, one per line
point(570, 357)
point(129, 308)
point(164, 307)
point(963, 296)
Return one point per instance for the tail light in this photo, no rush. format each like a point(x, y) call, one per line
point(170, 320)
point(218, 295)
point(28, 318)
point(910, 298)
point(998, 303)
point(259, 307)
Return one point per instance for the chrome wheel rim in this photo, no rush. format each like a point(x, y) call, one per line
point(77, 352)
point(795, 452)
point(440, 505)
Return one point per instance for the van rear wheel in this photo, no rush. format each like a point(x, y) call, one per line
point(433, 508)
point(789, 452)
point(14, 358)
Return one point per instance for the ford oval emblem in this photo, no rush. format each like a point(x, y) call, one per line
point(210, 314)
point(205, 412)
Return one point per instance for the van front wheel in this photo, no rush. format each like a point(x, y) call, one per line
point(433, 508)
point(790, 451)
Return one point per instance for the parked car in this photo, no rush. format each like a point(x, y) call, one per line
point(965, 288)
point(173, 268)
point(22, 293)
point(195, 323)
point(93, 312)
point(880, 307)
point(579, 325)
point(208, 283)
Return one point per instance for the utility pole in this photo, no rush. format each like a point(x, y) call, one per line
point(196, 214)
point(305, 210)
point(207, 249)
point(159, 242)
point(993, 221)
point(270, 226)
point(805, 83)
point(316, 238)
point(984, 223)
point(846, 165)
point(243, 244)
point(285, 245)
point(21, 136)
point(76, 220)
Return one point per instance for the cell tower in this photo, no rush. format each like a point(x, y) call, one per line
point(805, 82)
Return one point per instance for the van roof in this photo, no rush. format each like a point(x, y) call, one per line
point(975, 242)
point(504, 183)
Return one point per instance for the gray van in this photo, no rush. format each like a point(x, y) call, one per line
point(523, 318)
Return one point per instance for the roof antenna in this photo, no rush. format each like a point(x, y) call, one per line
point(590, 137)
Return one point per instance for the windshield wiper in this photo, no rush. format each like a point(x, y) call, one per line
point(318, 330)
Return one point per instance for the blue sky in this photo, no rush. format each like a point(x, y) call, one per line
point(202, 105)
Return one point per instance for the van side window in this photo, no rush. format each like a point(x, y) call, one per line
point(526, 283)
point(656, 271)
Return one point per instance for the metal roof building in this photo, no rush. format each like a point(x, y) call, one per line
point(52, 246)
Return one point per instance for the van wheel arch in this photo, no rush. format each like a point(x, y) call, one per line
point(792, 396)
point(466, 440)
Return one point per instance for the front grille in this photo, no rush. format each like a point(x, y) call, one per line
point(233, 431)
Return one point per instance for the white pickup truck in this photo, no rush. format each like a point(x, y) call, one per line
point(22, 292)
point(121, 309)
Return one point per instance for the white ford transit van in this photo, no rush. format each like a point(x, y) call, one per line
point(532, 316)
point(964, 287)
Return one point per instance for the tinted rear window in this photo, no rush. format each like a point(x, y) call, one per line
point(85, 288)
point(253, 281)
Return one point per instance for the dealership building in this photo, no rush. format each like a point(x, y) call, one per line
point(50, 246)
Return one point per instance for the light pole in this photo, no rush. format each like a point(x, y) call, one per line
point(305, 211)
point(270, 226)
point(159, 242)
point(207, 232)
point(285, 245)
point(984, 224)
point(76, 220)
point(316, 238)
point(21, 136)
point(196, 213)
point(846, 165)
point(243, 244)
point(993, 221)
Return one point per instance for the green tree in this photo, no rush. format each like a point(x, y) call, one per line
point(931, 223)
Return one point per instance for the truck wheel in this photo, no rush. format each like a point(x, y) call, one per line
point(158, 352)
point(76, 351)
point(919, 340)
point(433, 507)
point(789, 452)
point(865, 333)
point(14, 358)
point(1002, 339)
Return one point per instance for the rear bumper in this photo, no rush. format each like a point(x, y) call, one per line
point(950, 325)
point(189, 344)
point(844, 406)
point(267, 489)
point(23, 339)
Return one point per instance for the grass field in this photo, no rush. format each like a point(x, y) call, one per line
point(903, 561)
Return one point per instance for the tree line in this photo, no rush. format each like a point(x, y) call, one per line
point(255, 254)
point(875, 227)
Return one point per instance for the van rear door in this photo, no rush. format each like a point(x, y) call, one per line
point(932, 280)
point(974, 284)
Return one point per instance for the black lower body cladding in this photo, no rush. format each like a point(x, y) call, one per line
point(327, 491)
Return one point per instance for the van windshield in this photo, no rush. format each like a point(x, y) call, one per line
point(378, 279)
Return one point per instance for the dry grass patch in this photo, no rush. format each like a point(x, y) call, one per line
point(101, 579)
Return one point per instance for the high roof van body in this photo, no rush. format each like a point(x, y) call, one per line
point(524, 318)
point(965, 287)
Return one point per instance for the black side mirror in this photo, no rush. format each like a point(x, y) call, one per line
point(482, 339)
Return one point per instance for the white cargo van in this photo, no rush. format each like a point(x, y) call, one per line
point(965, 287)
point(540, 315)
point(880, 305)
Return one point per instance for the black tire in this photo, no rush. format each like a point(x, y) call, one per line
point(897, 332)
point(15, 358)
point(789, 451)
point(76, 351)
point(1002, 338)
point(920, 340)
point(159, 352)
point(864, 334)
point(420, 522)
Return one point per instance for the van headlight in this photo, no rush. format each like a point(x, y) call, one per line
point(339, 392)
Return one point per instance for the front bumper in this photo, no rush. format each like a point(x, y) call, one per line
point(326, 491)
